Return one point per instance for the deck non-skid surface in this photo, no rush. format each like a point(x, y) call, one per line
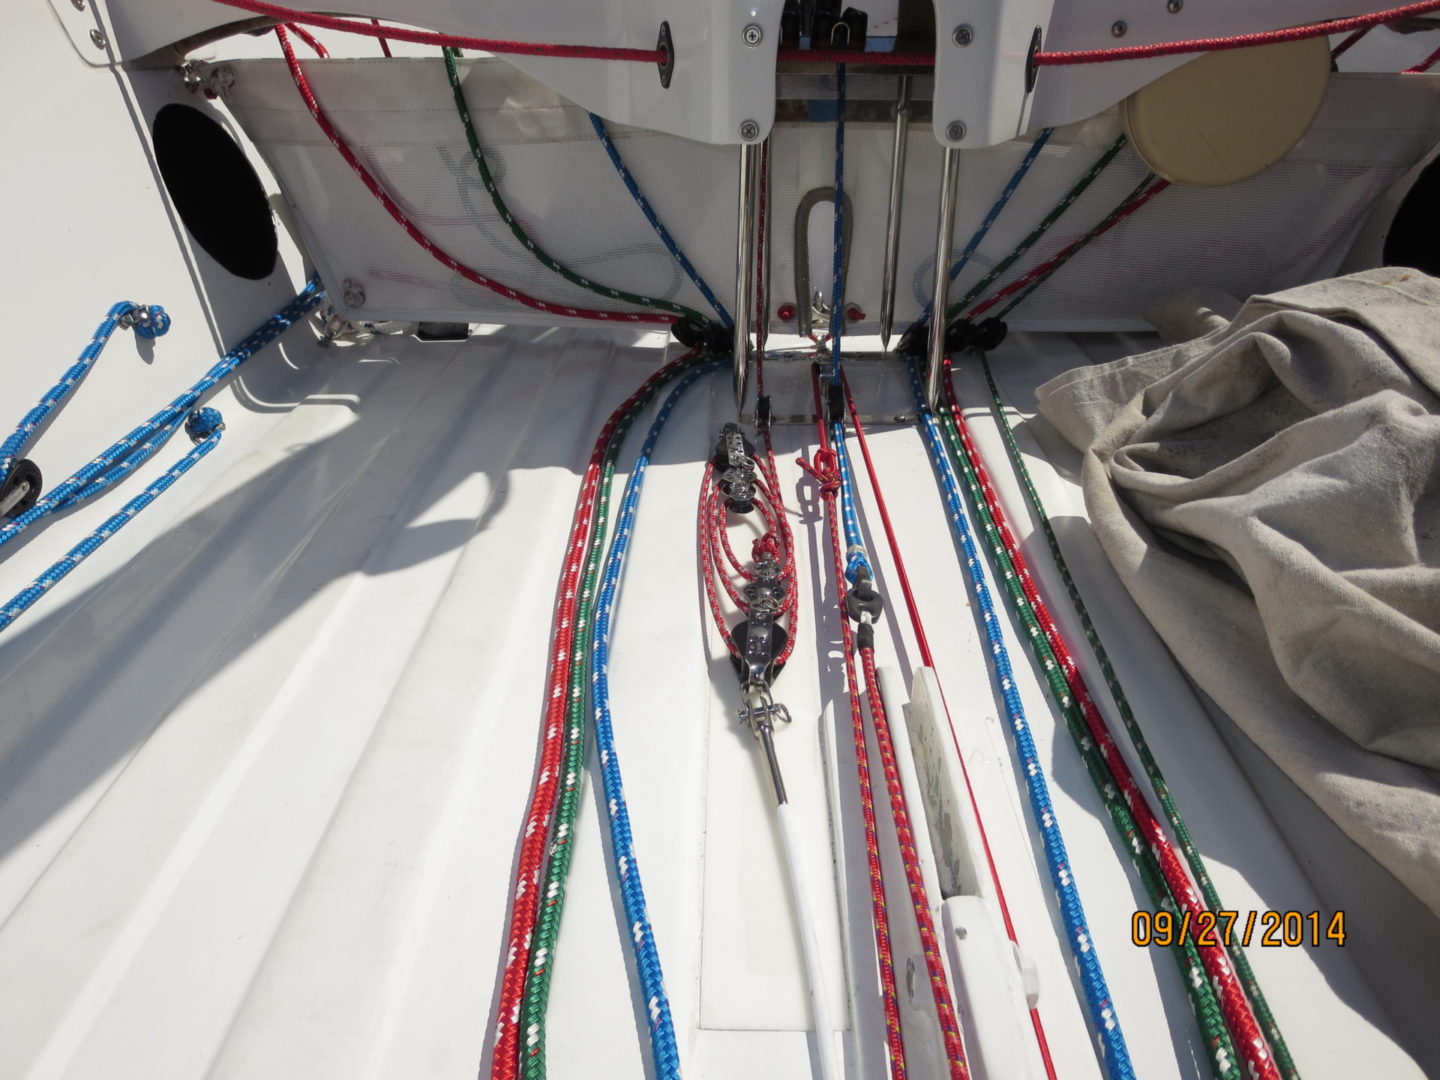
point(262, 781)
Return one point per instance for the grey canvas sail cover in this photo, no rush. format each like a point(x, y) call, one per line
point(1269, 492)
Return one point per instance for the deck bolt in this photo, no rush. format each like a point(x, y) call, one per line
point(749, 130)
point(1174, 5)
point(964, 35)
point(753, 35)
point(98, 39)
point(1118, 28)
point(955, 131)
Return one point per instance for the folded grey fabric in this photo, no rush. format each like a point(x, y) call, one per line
point(1269, 492)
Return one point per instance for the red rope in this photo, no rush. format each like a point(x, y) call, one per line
point(1424, 65)
point(1064, 253)
point(535, 836)
point(454, 41)
point(1233, 1004)
point(914, 876)
point(309, 39)
point(928, 659)
point(1239, 41)
point(440, 255)
point(384, 45)
point(826, 474)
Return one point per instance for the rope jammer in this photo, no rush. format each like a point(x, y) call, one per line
point(1115, 1054)
point(1091, 733)
point(1193, 859)
point(122, 457)
point(392, 208)
point(521, 234)
point(454, 41)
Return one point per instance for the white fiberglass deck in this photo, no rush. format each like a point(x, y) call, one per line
point(263, 777)
point(264, 757)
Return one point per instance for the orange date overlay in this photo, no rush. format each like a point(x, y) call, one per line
point(1228, 928)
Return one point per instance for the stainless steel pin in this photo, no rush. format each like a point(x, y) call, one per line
point(892, 221)
point(949, 183)
point(745, 267)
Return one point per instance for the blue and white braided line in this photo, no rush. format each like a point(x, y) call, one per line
point(994, 214)
point(126, 454)
point(856, 560)
point(204, 426)
point(1115, 1054)
point(655, 222)
point(627, 869)
point(153, 322)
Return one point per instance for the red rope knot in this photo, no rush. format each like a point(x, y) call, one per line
point(767, 546)
point(825, 470)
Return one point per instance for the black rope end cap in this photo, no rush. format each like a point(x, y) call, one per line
point(24, 471)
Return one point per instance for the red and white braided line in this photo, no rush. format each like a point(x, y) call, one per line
point(436, 252)
point(914, 876)
point(1233, 1004)
point(534, 838)
point(826, 473)
point(928, 659)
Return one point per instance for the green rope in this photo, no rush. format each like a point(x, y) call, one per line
point(1193, 857)
point(1224, 1062)
point(577, 716)
point(1076, 190)
point(526, 240)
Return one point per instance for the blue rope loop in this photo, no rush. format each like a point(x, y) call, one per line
point(14, 446)
point(655, 223)
point(622, 841)
point(1103, 1019)
point(122, 457)
point(994, 213)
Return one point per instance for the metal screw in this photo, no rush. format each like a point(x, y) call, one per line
point(1119, 28)
point(1174, 5)
point(964, 35)
point(353, 292)
point(753, 35)
point(749, 130)
point(955, 131)
point(79, 4)
point(98, 39)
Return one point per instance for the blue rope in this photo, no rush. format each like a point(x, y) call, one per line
point(150, 321)
point(655, 222)
point(125, 455)
point(857, 562)
point(994, 214)
point(1082, 947)
point(627, 869)
point(837, 265)
point(204, 426)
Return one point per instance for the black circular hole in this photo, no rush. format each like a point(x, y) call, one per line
point(1414, 236)
point(215, 191)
